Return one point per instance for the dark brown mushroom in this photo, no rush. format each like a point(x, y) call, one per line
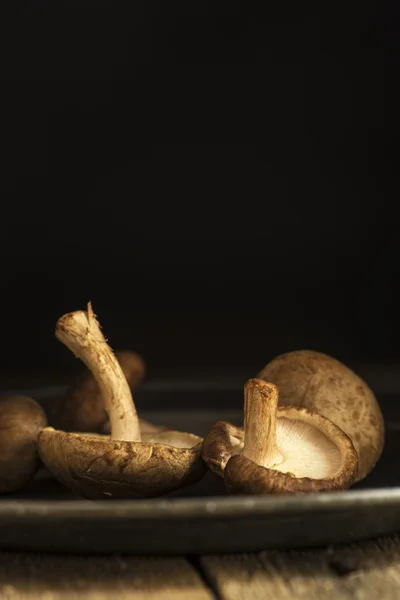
point(129, 463)
point(280, 450)
point(21, 420)
point(82, 407)
point(322, 384)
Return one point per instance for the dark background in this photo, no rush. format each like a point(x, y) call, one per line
point(215, 178)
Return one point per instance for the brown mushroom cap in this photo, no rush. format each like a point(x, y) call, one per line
point(295, 451)
point(129, 462)
point(322, 384)
point(95, 466)
point(82, 408)
point(21, 420)
point(223, 441)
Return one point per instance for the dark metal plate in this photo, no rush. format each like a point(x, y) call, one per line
point(201, 519)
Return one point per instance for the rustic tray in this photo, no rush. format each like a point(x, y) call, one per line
point(201, 519)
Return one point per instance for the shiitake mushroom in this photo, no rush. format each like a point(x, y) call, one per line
point(279, 450)
point(317, 382)
point(21, 421)
point(129, 463)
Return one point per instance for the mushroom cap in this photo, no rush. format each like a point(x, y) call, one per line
point(316, 456)
point(95, 466)
point(223, 441)
point(82, 408)
point(21, 420)
point(322, 384)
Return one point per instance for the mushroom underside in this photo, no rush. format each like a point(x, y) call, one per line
point(243, 476)
point(320, 383)
point(314, 455)
point(305, 450)
point(95, 466)
point(145, 427)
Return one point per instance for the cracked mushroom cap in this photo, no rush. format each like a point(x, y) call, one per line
point(280, 450)
point(322, 384)
point(95, 466)
point(21, 420)
point(82, 409)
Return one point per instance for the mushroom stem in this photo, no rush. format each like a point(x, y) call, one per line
point(260, 421)
point(81, 333)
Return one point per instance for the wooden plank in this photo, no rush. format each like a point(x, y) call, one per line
point(368, 571)
point(57, 577)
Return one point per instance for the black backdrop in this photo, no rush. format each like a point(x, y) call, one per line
point(213, 177)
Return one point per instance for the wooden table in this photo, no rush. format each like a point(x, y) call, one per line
point(364, 571)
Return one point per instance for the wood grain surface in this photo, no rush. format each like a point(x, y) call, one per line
point(369, 571)
point(56, 577)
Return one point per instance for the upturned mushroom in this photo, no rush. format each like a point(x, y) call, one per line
point(21, 420)
point(82, 407)
point(127, 464)
point(322, 384)
point(280, 450)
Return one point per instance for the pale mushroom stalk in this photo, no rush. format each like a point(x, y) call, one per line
point(81, 333)
point(260, 424)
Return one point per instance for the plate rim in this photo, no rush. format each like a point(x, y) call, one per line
point(206, 507)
